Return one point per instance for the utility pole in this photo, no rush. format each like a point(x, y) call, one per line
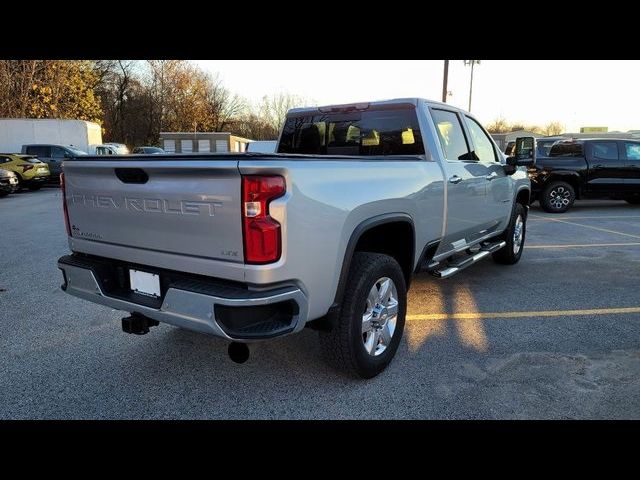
point(472, 63)
point(444, 81)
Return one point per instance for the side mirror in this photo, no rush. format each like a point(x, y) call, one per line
point(525, 153)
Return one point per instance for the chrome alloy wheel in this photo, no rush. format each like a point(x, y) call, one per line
point(559, 197)
point(518, 234)
point(380, 316)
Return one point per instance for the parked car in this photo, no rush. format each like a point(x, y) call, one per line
point(8, 182)
point(53, 155)
point(586, 168)
point(30, 172)
point(326, 233)
point(106, 149)
point(121, 148)
point(148, 150)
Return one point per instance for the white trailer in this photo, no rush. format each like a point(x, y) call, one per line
point(15, 132)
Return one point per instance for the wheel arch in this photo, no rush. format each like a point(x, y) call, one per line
point(572, 178)
point(523, 196)
point(363, 239)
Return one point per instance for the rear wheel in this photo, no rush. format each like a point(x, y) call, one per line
point(557, 197)
point(371, 321)
point(514, 236)
point(20, 183)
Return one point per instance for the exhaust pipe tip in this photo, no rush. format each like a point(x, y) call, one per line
point(238, 352)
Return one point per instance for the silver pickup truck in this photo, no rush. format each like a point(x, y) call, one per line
point(325, 233)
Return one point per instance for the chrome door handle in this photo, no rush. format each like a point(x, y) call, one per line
point(491, 176)
point(455, 179)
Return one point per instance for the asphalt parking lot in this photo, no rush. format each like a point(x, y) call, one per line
point(556, 336)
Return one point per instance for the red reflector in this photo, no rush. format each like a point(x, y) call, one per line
point(262, 237)
point(64, 204)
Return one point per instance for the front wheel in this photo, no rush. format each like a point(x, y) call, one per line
point(514, 236)
point(371, 321)
point(557, 197)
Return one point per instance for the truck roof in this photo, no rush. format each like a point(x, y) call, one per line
point(598, 139)
point(412, 100)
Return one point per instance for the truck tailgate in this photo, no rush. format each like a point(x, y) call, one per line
point(183, 207)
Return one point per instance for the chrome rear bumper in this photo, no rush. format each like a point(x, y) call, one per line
point(233, 314)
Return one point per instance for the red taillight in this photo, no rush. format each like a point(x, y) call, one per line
point(26, 168)
point(64, 205)
point(262, 238)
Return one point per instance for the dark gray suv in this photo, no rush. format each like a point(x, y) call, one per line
point(53, 155)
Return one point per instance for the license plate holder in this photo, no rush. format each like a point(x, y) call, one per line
point(145, 283)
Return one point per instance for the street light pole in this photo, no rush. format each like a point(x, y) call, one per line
point(472, 63)
point(444, 81)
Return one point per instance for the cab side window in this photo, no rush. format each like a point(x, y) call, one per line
point(451, 135)
point(483, 145)
point(57, 152)
point(39, 151)
point(633, 151)
point(605, 150)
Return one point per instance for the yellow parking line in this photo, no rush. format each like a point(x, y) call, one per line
point(586, 245)
point(594, 228)
point(543, 313)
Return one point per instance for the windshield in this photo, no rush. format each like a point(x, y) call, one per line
point(152, 150)
point(30, 159)
point(76, 152)
point(381, 131)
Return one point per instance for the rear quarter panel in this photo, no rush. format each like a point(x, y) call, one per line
point(326, 200)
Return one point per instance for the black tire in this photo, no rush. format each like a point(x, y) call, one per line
point(633, 200)
point(20, 183)
point(508, 255)
point(557, 189)
point(3, 193)
point(35, 188)
point(343, 346)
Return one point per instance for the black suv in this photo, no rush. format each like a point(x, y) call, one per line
point(586, 168)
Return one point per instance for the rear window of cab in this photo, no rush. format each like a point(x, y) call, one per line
point(566, 149)
point(364, 133)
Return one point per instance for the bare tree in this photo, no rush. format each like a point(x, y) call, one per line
point(273, 109)
point(222, 106)
point(554, 128)
point(499, 125)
